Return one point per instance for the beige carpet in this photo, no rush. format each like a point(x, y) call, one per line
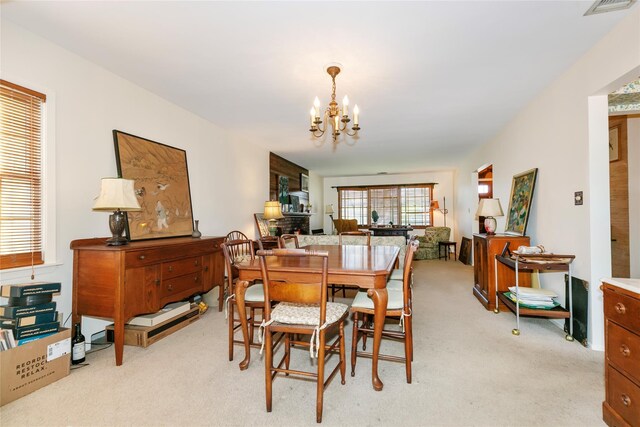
point(468, 370)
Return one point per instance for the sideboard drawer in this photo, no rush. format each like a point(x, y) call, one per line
point(623, 396)
point(181, 267)
point(623, 350)
point(622, 309)
point(185, 285)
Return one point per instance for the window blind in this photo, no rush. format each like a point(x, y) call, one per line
point(21, 117)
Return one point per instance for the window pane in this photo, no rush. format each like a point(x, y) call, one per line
point(415, 206)
point(385, 202)
point(20, 176)
point(353, 205)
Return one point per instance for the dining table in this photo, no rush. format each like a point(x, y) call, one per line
point(367, 267)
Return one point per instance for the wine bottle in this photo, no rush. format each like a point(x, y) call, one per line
point(77, 346)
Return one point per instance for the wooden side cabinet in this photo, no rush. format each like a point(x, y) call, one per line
point(121, 282)
point(621, 407)
point(485, 248)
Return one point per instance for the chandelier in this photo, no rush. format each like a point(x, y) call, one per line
point(335, 118)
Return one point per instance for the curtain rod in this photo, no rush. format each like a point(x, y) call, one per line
point(384, 185)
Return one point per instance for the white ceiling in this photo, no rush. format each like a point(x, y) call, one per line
point(433, 80)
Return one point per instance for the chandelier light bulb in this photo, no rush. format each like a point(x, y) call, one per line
point(316, 105)
point(312, 113)
point(356, 113)
point(345, 106)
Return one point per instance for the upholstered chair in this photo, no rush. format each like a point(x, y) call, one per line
point(428, 244)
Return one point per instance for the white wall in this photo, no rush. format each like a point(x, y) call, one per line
point(227, 186)
point(633, 139)
point(554, 134)
point(445, 188)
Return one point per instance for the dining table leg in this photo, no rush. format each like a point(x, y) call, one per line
point(241, 288)
point(380, 298)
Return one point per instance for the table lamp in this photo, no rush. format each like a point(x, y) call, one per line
point(272, 213)
point(489, 208)
point(117, 195)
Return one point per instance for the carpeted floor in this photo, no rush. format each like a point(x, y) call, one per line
point(468, 370)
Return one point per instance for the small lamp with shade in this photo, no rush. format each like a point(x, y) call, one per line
point(489, 208)
point(272, 213)
point(117, 195)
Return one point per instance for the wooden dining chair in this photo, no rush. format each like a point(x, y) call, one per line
point(399, 305)
point(287, 239)
point(396, 277)
point(301, 308)
point(227, 288)
point(236, 251)
point(337, 288)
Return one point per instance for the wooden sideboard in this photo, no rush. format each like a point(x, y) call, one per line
point(120, 282)
point(485, 249)
point(621, 407)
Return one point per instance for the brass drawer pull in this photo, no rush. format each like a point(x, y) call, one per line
point(626, 400)
point(157, 282)
point(171, 268)
point(620, 308)
point(206, 268)
point(197, 263)
point(170, 287)
point(141, 257)
point(625, 350)
point(195, 279)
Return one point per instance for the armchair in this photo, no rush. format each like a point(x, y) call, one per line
point(428, 244)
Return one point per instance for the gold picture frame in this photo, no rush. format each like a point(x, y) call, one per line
point(522, 188)
point(161, 185)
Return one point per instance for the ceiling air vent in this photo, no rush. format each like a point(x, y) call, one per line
point(602, 6)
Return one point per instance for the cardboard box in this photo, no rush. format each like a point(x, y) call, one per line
point(31, 366)
point(144, 336)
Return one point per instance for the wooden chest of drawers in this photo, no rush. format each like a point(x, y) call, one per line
point(621, 407)
point(120, 282)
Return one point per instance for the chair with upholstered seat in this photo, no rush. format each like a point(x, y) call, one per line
point(230, 276)
point(236, 251)
point(429, 243)
point(302, 309)
point(399, 305)
point(397, 275)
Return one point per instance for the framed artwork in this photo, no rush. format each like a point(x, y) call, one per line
point(283, 190)
point(161, 185)
point(465, 251)
point(522, 188)
point(614, 142)
point(304, 183)
point(295, 203)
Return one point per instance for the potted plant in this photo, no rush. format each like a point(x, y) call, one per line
point(375, 217)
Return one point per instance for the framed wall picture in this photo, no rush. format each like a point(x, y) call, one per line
point(283, 190)
point(522, 188)
point(465, 251)
point(304, 183)
point(161, 185)
point(614, 143)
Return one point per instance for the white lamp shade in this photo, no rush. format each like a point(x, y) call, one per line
point(272, 210)
point(328, 210)
point(116, 193)
point(489, 207)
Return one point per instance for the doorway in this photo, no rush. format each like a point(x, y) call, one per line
point(485, 191)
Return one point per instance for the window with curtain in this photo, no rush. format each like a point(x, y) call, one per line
point(21, 137)
point(401, 204)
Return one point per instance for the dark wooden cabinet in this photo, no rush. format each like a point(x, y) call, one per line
point(120, 282)
point(621, 407)
point(485, 248)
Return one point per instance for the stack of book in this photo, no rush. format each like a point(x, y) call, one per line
point(30, 313)
point(533, 297)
